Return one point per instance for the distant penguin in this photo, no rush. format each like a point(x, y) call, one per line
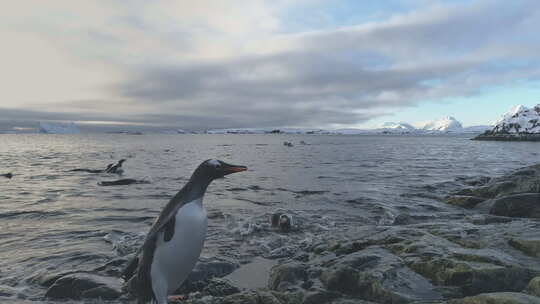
point(173, 245)
point(7, 175)
point(117, 169)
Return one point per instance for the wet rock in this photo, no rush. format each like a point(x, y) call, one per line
point(474, 277)
point(247, 297)
point(498, 298)
point(220, 287)
point(464, 201)
point(320, 296)
point(114, 267)
point(46, 279)
point(518, 205)
point(282, 252)
point(287, 276)
point(533, 287)
point(204, 271)
point(524, 180)
point(377, 275)
point(528, 246)
point(84, 285)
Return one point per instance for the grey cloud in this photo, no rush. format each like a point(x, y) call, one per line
point(344, 76)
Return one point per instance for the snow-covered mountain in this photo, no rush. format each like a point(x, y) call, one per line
point(58, 128)
point(519, 119)
point(444, 124)
point(398, 126)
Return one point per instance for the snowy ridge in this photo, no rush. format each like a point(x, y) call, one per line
point(58, 128)
point(444, 124)
point(519, 119)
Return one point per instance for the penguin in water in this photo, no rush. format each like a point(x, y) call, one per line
point(175, 241)
point(115, 168)
point(7, 175)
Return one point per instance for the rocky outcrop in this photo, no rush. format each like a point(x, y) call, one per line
point(518, 124)
point(84, 285)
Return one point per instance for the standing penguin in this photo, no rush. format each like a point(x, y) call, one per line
point(173, 245)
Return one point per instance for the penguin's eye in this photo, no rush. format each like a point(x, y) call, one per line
point(218, 166)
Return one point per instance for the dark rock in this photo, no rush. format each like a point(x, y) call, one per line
point(79, 285)
point(46, 279)
point(287, 276)
point(528, 246)
point(464, 201)
point(518, 205)
point(498, 298)
point(204, 271)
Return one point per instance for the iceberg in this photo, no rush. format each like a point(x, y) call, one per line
point(58, 128)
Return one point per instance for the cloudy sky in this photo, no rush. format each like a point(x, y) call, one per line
point(306, 63)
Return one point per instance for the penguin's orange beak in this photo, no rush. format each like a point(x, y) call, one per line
point(229, 169)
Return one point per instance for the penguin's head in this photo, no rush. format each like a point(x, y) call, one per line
point(120, 162)
point(212, 168)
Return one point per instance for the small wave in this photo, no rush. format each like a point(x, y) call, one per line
point(31, 214)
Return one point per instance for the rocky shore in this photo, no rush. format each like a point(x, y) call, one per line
point(507, 137)
point(486, 251)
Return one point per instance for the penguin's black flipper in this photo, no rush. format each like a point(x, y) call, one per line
point(130, 269)
point(168, 232)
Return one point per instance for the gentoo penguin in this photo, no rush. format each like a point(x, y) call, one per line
point(116, 168)
point(173, 245)
point(7, 175)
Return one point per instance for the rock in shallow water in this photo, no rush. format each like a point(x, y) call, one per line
point(84, 285)
point(204, 271)
point(528, 246)
point(533, 287)
point(464, 201)
point(518, 205)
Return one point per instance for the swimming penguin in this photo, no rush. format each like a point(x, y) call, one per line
point(115, 168)
point(173, 245)
point(7, 175)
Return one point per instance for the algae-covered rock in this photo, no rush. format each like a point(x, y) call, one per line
point(287, 276)
point(528, 246)
point(377, 275)
point(498, 298)
point(533, 287)
point(464, 201)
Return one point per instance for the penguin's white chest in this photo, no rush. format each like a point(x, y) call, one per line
point(174, 260)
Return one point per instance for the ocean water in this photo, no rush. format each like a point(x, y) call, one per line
point(53, 220)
